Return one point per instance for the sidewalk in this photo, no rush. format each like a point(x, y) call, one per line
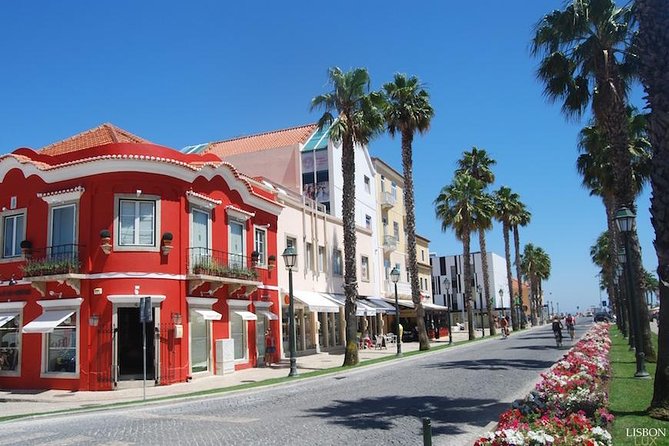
point(32, 402)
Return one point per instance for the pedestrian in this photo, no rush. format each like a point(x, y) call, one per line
point(269, 348)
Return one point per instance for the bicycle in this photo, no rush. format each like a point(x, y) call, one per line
point(558, 338)
point(572, 331)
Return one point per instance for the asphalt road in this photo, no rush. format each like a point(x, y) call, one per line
point(462, 390)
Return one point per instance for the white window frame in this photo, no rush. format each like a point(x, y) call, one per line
point(208, 340)
point(368, 221)
point(337, 266)
point(262, 259)
point(234, 221)
point(75, 306)
point(241, 305)
point(368, 184)
point(12, 214)
point(294, 244)
point(308, 256)
point(322, 262)
point(75, 229)
point(364, 272)
point(156, 223)
point(192, 225)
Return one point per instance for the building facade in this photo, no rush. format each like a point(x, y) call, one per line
point(98, 227)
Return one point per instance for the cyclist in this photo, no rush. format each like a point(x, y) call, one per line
point(557, 330)
point(504, 327)
point(570, 321)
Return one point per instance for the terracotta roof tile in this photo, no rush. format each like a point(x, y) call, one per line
point(262, 141)
point(103, 134)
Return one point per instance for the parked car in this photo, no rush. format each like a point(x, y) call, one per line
point(603, 316)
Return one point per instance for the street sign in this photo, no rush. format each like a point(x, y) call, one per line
point(145, 313)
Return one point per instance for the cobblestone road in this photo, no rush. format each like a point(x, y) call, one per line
point(462, 389)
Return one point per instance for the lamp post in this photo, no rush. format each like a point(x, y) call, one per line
point(395, 276)
point(625, 221)
point(501, 299)
point(447, 284)
point(290, 257)
point(624, 323)
point(480, 290)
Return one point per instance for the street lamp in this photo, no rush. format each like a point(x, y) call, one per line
point(395, 276)
point(447, 284)
point(480, 290)
point(290, 257)
point(501, 299)
point(625, 221)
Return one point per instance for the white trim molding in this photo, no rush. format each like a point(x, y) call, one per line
point(201, 200)
point(238, 214)
point(62, 196)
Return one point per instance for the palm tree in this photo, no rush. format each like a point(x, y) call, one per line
point(594, 165)
point(505, 205)
point(536, 265)
point(407, 110)
point(586, 62)
point(520, 217)
point(357, 122)
point(478, 164)
point(460, 206)
point(652, 46)
point(601, 255)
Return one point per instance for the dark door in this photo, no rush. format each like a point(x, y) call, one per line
point(130, 352)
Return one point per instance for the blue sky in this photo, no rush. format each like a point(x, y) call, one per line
point(182, 73)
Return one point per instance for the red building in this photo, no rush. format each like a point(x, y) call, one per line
point(92, 225)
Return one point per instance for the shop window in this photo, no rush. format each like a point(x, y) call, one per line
point(10, 343)
point(199, 342)
point(13, 231)
point(61, 347)
point(238, 332)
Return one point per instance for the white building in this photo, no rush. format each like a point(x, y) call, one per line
point(449, 270)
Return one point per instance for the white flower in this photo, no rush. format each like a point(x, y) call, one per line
point(540, 437)
point(514, 437)
point(602, 434)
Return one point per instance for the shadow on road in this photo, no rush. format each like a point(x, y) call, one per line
point(495, 364)
point(447, 414)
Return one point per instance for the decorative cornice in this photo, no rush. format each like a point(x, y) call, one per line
point(201, 200)
point(62, 196)
point(238, 214)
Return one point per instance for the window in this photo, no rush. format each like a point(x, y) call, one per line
point(393, 190)
point(384, 220)
point(260, 245)
point(368, 187)
point(383, 183)
point(364, 268)
point(236, 244)
point(321, 259)
point(292, 241)
point(337, 268)
point(422, 255)
point(63, 229)
point(368, 221)
point(61, 347)
point(308, 257)
point(396, 230)
point(238, 333)
point(200, 234)
point(10, 343)
point(199, 342)
point(137, 222)
point(14, 231)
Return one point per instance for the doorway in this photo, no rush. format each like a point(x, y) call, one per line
point(130, 351)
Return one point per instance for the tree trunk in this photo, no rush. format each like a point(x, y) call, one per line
point(640, 296)
point(610, 270)
point(350, 275)
point(516, 244)
point(467, 269)
point(410, 209)
point(507, 254)
point(486, 283)
point(653, 51)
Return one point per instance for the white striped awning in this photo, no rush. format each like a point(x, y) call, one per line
point(247, 315)
point(208, 315)
point(315, 302)
point(269, 315)
point(5, 318)
point(47, 321)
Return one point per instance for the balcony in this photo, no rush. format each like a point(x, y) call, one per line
point(389, 243)
point(59, 263)
point(403, 289)
point(219, 268)
point(387, 200)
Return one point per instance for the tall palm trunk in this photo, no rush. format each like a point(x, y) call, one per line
point(610, 269)
point(516, 245)
point(350, 283)
point(612, 116)
point(486, 282)
point(409, 208)
point(467, 269)
point(507, 254)
point(653, 50)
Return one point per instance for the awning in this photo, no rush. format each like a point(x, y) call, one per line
point(269, 315)
point(434, 307)
point(361, 308)
point(49, 320)
point(7, 317)
point(247, 315)
point(403, 303)
point(209, 315)
point(316, 302)
point(380, 305)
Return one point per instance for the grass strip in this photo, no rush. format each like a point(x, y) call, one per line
point(629, 397)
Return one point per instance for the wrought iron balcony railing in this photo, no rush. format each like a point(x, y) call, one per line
point(53, 260)
point(203, 261)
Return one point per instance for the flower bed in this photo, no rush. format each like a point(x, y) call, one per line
point(568, 405)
